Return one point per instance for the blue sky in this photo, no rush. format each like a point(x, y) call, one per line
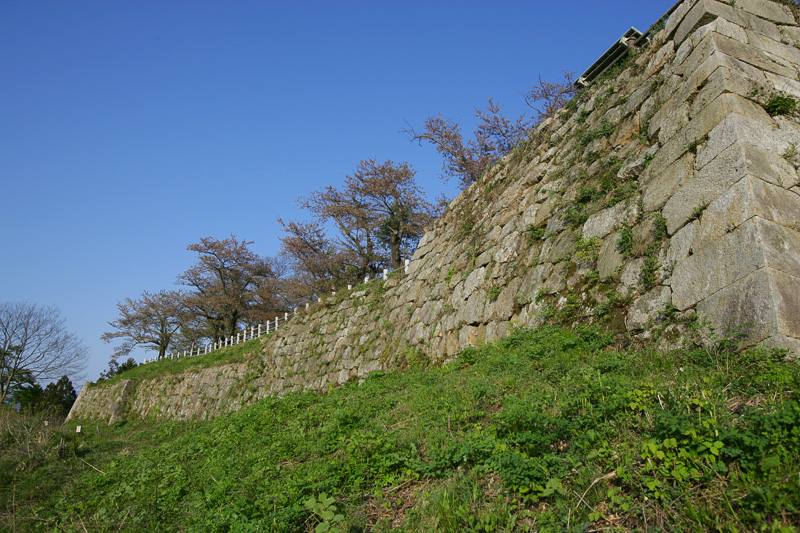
point(129, 130)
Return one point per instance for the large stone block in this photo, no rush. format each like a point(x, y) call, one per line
point(717, 75)
point(754, 245)
point(783, 84)
point(562, 247)
point(710, 114)
point(610, 258)
point(556, 282)
point(767, 10)
point(713, 43)
point(659, 60)
point(700, 14)
point(646, 310)
point(722, 27)
point(715, 178)
point(603, 222)
point(677, 17)
point(660, 186)
point(791, 344)
point(773, 48)
point(747, 198)
point(766, 303)
point(756, 56)
point(737, 128)
point(534, 279)
point(681, 243)
point(759, 15)
point(631, 276)
point(790, 34)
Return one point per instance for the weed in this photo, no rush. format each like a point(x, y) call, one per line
point(660, 228)
point(649, 276)
point(576, 215)
point(586, 195)
point(324, 514)
point(588, 250)
point(604, 130)
point(625, 242)
point(792, 155)
point(780, 105)
point(697, 212)
point(535, 233)
point(494, 293)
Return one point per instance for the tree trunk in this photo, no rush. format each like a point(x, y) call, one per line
point(394, 245)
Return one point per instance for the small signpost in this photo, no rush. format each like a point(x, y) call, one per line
point(74, 447)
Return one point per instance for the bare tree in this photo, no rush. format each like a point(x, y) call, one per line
point(34, 342)
point(468, 160)
point(149, 321)
point(550, 97)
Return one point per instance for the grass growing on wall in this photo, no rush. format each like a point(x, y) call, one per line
point(548, 430)
point(230, 354)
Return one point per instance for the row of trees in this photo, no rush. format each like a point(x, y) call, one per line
point(377, 217)
point(374, 220)
point(229, 286)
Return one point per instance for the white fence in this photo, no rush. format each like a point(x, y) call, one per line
point(254, 331)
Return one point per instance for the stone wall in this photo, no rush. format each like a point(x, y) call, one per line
point(663, 190)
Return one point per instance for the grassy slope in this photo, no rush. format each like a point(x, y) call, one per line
point(231, 354)
point(547, 430)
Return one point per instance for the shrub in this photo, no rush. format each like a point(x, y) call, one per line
point(780, 105)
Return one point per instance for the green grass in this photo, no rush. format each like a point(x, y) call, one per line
point(547, 430)
point(230, 354)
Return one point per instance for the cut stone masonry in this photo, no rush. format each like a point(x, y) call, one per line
point(663, 186)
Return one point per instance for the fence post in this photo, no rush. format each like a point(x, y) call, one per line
point(276, 323)
point(366, 279)
point(408, 263)
point(285, 317)
point(307, 305)
point(349, 287)
point(385, 274)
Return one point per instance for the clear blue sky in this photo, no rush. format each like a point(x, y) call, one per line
point(130, 129)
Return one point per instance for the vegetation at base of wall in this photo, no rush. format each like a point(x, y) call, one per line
point(231, 354)
point(546, 430)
